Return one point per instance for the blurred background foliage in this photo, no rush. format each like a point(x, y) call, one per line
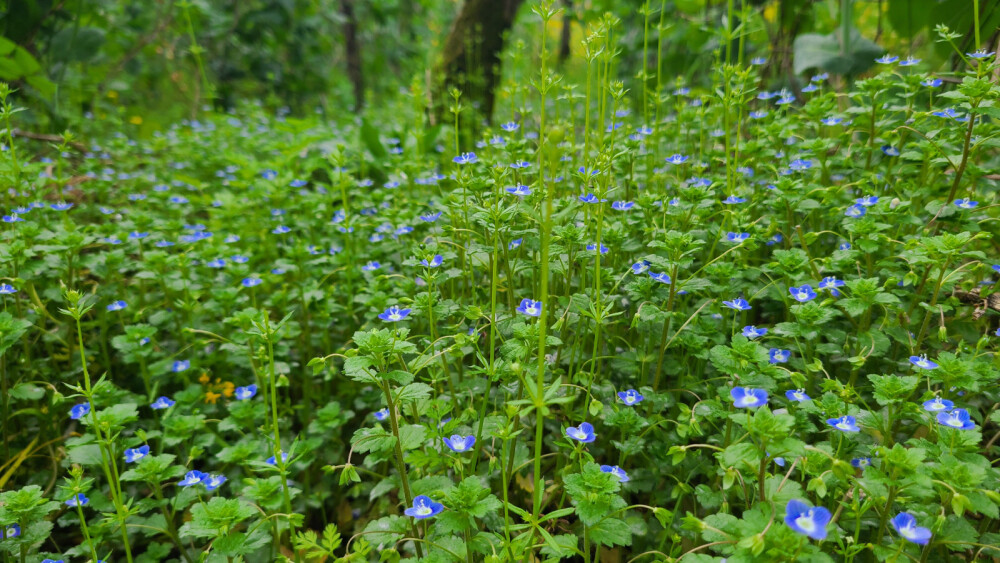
point(146, 63)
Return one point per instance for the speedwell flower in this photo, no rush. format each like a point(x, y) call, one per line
point(922, 362)
point(423, 507)
point(802, 294)
point(957, 419)
point(244, 393)
point(905, 525)
point(807, 520)
point(584, 433)
point(530, 308)
point(747, 397)
point(630, 397)
point(135, 454)
point(460, 444)
point(844, 424)
point(616, 471)
point(394, 314)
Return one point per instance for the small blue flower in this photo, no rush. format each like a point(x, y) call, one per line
point(932, 83)
point(844, 424)
point(584, 433)
point(244, 393)
point(436, 261)
point(592, 247)
point(79, 411)
point(798, 395)
point(280, 230)
point(856, 211)
point(630, 397)
point(861, 462)
point(9, 531)
point(937, 404)
point(424, 507)
point(515, 243)
point(7, 289)
point(807, 520)
point(905, 525)
point(886, 59)
point(381, 414)
point(213, 482)
point(760, 114)
point(922, 362)
point(733, 199)
point(394, 314)
point(660, 277)
point(371, 266)
point(737, 237)
point(616, 471)
point(738, 304)
point(61, 206)
point(957, 419)
point(980, 54)
point(831, 121)
point(778, 356)
point(890, 150)
point(830, 282)
point(591, 198)
point(622, 205)
point(460, 444)
point(117, 306)
point(844, 246)
point(868, 200)
point(677, 159)
point(519, 191)
point(640, 267)
point(758, 61)
point(78, 500)
point(268, 174)
point(12, 218)
point(752, 332)
point(251, 282)
point(510, 126)
point(747, 397)
point(802, 294)
point(192, 478)
point(180, 365)
point(135, 454)
point(910, 61)
point(272, 461)
point(530, 308)
point(162, 403)
point(965, 203)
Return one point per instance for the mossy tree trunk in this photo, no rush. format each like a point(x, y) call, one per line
point(471, 57)
point(352, 52)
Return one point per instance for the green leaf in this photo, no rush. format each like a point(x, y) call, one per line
point(27, 391)
point(370, 138)
point(611, 532)
point(827, 52)
point(76, 44)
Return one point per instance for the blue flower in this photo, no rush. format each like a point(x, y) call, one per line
point(799, 395)
point(830, 282)
point(530, 308)
point(831, 121)
point(886, 59)
point(192, 478)
point(980, 54)
point(965, 203)
point(510, 126)
point(117, 306)
point(7, 289)
point(584, 433)
point(591, 198)
point(465, 158)
point(778, 237)
point(381, 414)
point(460, 444)
point(660, 277)
point(162, 403)
point(802, 294)
point(272, 461)
point(434, 262)
point(394, 314)
point(592, 247)
point(268, 174)
point(890, 150)
point(778, 356)
point(8, 531)
point(677, 159)
point(861, 462)
point(53, 561)
point(747, 397)
point(760, 114)
point(957, 419)
point(868, 200)
point(937, 404)
point(79, 411)
point(856, 211)
point(905, 525)
point(424, 507)
point(844, 246)
point(807, 520)
point(520, 164)
point(61, 206)
point(758, 61)
point(371, 266)
point(519, 191)
point(180, 365)
point(844, 424)
point(932, 82)
point(752, 332)
point(922, 362)
point(739, 304)
point(78, 500)
point(737, 237)
point(213, 482)
point(622, 205)
point(630, 397)
point(244, 393)
point(280, 230)
point(12, 218)
point(251, 282)
point(135, 454)
point(640, 267)
point(732, 199)
point(616, 471)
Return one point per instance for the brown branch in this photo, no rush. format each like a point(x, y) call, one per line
point(50, 138)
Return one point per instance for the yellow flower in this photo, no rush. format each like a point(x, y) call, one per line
point(112, 94)
point(228, 388)
point(135, 120)
point(211, 397)
point(204, 378)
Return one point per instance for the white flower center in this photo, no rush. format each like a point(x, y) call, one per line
point(843, 424)
point(806, 522)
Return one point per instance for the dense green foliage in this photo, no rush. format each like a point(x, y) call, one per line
point(685, 317)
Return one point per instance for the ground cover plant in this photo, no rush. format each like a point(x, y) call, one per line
point(693, 321)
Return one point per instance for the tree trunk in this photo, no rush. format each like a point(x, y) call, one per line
point(353, 53)
point(472, 52)
point(567, 32)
